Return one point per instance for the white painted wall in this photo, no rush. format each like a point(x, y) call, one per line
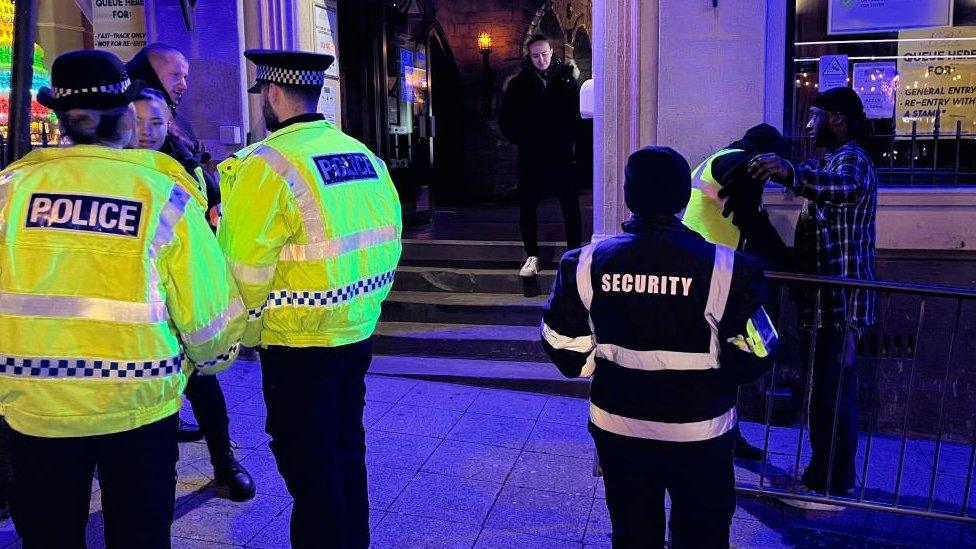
point(712, 81)
point(937, 218)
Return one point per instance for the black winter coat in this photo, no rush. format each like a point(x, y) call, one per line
point(541, 115)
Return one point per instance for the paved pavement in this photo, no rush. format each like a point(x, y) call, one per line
point(460, 466)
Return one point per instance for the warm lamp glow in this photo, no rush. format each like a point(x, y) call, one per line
point(484, 41)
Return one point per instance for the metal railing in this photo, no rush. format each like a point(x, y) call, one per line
point(918, 432)
point(918, 158)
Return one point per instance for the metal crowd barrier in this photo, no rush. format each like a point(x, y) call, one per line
point(917, 434)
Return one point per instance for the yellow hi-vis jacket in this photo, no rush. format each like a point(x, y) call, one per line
point(311, 229)
point(112, 291)
point(704, 213)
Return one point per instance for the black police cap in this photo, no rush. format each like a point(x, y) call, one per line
point(289, 68)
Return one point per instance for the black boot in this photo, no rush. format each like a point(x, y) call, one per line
point(231, 479)
point(745, 451)
point(188, 432)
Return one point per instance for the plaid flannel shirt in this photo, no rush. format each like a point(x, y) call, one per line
point(835, 235)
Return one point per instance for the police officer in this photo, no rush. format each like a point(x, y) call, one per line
point(113, 292)
point(668, 325)
point(311, 230)
point(724, 197)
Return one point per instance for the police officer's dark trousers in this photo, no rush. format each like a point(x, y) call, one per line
point(210, 410)
point(698, 477)
point(833, 394)
point(136, 473)
point(315, 399)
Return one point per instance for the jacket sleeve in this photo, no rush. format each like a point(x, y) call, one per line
point(510, 113)
point(842, 187)
point(204, 306)
point(260, 216)
point(566, 334)
point(748, 338)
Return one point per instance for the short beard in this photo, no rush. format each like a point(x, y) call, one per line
point(823, 138)
point(270, 118)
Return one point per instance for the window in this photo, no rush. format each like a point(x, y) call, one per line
point(915, 75)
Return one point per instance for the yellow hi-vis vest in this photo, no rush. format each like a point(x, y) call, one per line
point(704, 213)
point(112, 291)
point(311, 229)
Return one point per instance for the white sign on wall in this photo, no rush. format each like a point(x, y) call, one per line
point(860, 16)
point(834, 72)
point(876, 84)
point(325, 36)
point(119, 26)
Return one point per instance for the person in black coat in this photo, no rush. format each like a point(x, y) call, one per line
point(540, 113)
point(165, 68)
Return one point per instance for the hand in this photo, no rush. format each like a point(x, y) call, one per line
point(770, 167)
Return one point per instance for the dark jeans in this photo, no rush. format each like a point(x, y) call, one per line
point(210, 410)
point(698, 476)
point(315, 399)
point(528, 218)
point(833, 393)
point(6, 474)
point(136, 471)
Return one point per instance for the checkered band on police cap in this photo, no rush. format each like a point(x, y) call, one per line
point(289, 77)
point(115, 89)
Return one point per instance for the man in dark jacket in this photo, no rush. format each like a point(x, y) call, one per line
point(540, 113)
point(165, 68)
point(724, 196)
point(669, 325)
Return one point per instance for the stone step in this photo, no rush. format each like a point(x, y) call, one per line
point(494, 253)
point(489, 281)
point(541, 377)
point(458, 308)
point(474, 341)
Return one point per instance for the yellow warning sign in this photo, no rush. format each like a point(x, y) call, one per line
point(937, 79)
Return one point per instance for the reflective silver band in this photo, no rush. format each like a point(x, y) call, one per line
point(87, 308)
point(217, 325)
point(656, 430)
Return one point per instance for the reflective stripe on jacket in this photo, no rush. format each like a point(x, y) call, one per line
point(112, 291)
point(311, 229)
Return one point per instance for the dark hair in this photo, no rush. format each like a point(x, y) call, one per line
point(151, 94)
point(93, 127)
point(306, 95)
point(536, 38)
point(859, 127)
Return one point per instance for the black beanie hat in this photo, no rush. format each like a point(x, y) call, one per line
point(762, 139)
point(842, 100)
point(657, 181)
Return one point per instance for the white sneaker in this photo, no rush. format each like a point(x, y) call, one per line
point(811, 505)
point(531, 267)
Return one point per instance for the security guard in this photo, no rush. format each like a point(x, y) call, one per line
point(311, 230)
point(112, 292)
point(724, 197)
point(668, 325)
point(722, 190)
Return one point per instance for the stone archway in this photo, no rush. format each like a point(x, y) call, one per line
point(565, 22)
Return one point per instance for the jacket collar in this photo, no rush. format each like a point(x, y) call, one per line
point(307, 117)
point(656, 223)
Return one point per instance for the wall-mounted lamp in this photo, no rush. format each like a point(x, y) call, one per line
point(484, 46)
point(484, 42)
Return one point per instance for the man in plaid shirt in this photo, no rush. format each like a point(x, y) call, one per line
point(835, 236)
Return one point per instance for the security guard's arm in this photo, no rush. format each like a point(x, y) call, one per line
point(749, 340)
point(259, 217)
point(204, 306)
point(566, 334)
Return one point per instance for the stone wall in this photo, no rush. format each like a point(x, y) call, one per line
point(490, 160)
